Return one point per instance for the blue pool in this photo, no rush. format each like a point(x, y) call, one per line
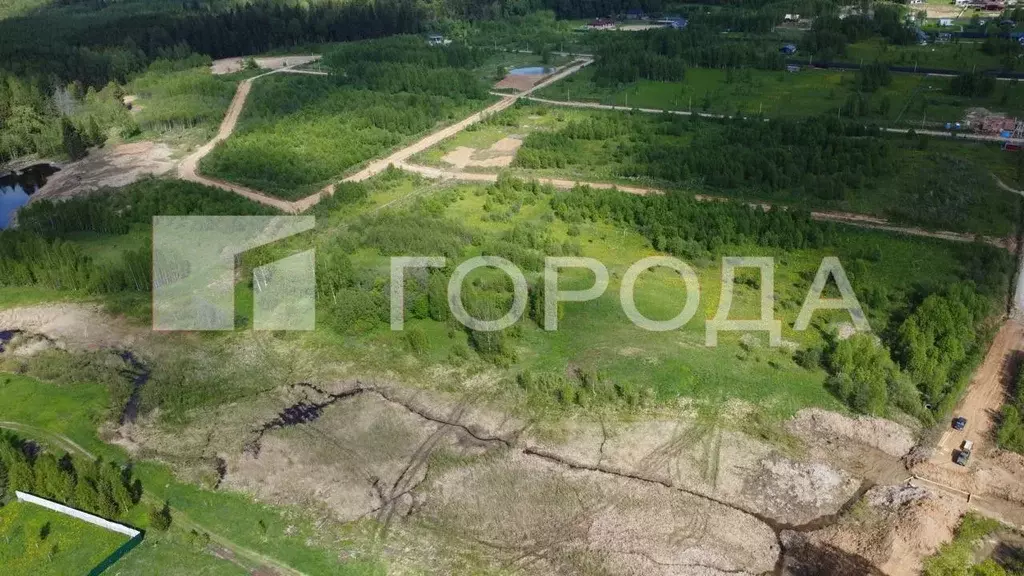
point(17, 187)
point(531, 71)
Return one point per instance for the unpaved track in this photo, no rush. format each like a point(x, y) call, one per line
point(181, 520)
point(189, 167)
point(430, 140)
point(984, 399)
point(858, 220)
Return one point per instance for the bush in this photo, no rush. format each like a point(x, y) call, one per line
point(160, 517)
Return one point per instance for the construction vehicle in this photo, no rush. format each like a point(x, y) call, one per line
point(964, 454)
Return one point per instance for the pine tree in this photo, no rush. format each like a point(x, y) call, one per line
point(71, 139)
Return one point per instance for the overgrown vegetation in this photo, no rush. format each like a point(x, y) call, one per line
point(1010, 434)
point(815, 162)
point(957, 558)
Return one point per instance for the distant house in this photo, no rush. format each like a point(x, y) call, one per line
point(601, 24)
point(674, 22)
point(636, 14)
point(945, 21)
point(964, 2)
point(437, 40)
point(791, 18)
point(788, 49)
point(994, 6)
point(792, 68)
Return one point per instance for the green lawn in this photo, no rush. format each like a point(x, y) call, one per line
point(35, 541)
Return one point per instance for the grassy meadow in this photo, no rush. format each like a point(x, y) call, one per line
point(37, 541)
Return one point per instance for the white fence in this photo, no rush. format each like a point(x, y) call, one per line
point(84, 516)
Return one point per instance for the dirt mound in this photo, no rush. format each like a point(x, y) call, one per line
point(890, 531)
point(889, 437)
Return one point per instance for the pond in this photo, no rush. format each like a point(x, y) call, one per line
point(531, 71)
point(16, 188)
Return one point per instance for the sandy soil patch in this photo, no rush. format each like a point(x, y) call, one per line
point(107, 168)
point(519, 82)
point(75, 326)
point(887, 436)
point(231, 65)
point(498, 155)
point(719, 464)
point(350, 460)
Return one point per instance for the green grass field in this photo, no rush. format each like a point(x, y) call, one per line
point(37, 541)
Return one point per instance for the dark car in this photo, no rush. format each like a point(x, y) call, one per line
point(959, 422)
point(962, 457)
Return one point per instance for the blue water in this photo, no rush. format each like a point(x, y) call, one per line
point(17, 187)
point(530, 71)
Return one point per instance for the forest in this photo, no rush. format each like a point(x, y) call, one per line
point(822, 161)
point(664, 54)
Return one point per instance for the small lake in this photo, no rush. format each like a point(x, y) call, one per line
point(17, 187)
point(531, 71)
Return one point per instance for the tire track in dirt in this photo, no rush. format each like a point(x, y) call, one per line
point(642, 473)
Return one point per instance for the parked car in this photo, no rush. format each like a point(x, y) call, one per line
point(959, 422)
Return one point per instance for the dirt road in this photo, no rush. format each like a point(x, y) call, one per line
point(984, 399)
point(189, 167)
point(430, 140)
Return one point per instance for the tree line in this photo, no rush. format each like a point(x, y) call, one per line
point(664, 54)
point(106, 489)
point(95, 47)
point(923, 365)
